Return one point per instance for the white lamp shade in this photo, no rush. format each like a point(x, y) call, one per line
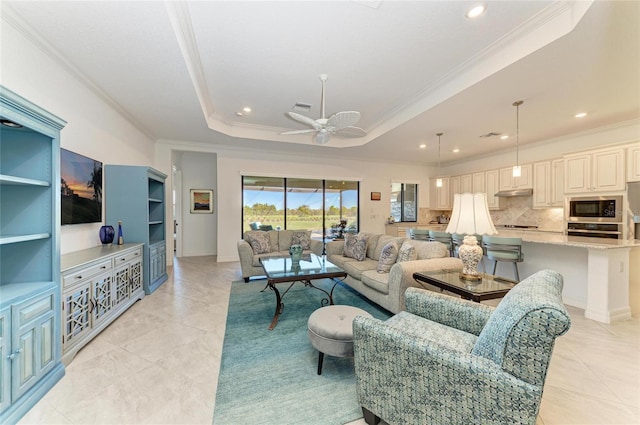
point(470, 215)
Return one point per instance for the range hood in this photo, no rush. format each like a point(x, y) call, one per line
point(515, 192)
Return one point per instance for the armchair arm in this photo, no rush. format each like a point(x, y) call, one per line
point(401, 276)
point(410, 380)
point(454, 312)
point(245, 252)
point(334, 247)
point(317, 246)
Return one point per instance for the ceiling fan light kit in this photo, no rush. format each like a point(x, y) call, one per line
point(339, 124)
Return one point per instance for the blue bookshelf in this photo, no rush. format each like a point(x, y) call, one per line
point(30, 312)
point(135, 195)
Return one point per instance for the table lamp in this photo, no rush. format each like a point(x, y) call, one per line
point(470, 216)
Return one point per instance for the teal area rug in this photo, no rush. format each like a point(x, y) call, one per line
point(270, 377)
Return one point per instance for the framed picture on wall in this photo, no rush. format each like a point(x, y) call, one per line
point(201, 201)
point(375, 196)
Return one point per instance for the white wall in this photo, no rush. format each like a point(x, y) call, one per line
point(94, 128)
point(232, 164)
point(199, 231)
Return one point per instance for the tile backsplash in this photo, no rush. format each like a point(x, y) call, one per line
point(517, 210)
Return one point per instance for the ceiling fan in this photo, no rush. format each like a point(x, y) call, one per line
point(339, 124)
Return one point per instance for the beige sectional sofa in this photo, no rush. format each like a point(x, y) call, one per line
point(278, 246)
point(387, 289)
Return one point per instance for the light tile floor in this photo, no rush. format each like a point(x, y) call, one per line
point(158, 363)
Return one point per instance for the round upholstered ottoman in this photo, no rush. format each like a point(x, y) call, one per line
point(331, 332)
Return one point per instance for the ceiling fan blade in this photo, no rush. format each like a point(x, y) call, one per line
point(343, 119)
point(322, 137)
point(311, 130)
point(350, 132)
point(304, 119)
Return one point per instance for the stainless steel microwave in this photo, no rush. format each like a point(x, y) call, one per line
point(595, 209)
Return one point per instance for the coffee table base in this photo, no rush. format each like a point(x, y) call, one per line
point(280, 305)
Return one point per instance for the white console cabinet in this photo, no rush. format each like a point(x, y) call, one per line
point(98, 284)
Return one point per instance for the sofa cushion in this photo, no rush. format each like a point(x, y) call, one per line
point(388, 257)
point(382, 241)
point(427, 249)
point(302, 238)
point(340, 260)
point(355, 268)
point(284, 239)
point(372, 242)
point(259, 241)
point(355, 246)
point(375, 280)
point(407, 252)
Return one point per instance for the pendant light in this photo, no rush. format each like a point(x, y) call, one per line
point(439, 179)
point(517, 170)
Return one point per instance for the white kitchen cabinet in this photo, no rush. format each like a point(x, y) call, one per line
point(99, 284)
point(440, 197)
point(508, 182)
point(596, 171)
point(548, 184)
point(633, 163)
point(492, 186)
point(466, 183)
point(479, 183)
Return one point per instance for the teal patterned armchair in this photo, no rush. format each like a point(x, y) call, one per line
point(449, 361)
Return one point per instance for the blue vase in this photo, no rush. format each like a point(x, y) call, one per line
point(107, 234)
point(120, 237)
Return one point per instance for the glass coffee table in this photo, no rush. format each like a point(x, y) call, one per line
point(488, 288)
point(311, 267)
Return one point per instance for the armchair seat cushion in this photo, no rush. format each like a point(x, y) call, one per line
point(413, 326)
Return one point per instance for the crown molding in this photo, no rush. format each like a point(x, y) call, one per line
point(11, 17)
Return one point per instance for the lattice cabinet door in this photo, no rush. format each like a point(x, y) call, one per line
point(135, 276)
point(121, 290)
point(76, 314)
point(102, 298)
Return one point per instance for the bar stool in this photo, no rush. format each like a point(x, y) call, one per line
point(503, 249)
point(442, 237)
point(420, 234)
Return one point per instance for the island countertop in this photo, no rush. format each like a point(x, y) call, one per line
point(556, 238)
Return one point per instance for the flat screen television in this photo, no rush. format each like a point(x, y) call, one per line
point(80, 188)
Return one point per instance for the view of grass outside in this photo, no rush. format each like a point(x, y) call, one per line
point(264, 203)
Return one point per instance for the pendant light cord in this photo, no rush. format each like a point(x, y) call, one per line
point(517, 105)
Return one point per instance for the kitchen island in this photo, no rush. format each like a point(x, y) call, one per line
point(602, 276)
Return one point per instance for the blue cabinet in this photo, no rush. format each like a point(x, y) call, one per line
point(29, 254)
point(135, 196)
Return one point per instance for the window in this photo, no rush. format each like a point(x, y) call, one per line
point(292, 203)
point(404, 202)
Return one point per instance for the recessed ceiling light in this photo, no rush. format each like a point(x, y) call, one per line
point(456, 150)
point(504, 136)
point(239, 114)
point(246, 109)
point(9, 123)
point(476, 11)
point(581, 115)
point(422, 146)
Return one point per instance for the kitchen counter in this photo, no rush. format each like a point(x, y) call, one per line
point(557, 238)
point(602, 276)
